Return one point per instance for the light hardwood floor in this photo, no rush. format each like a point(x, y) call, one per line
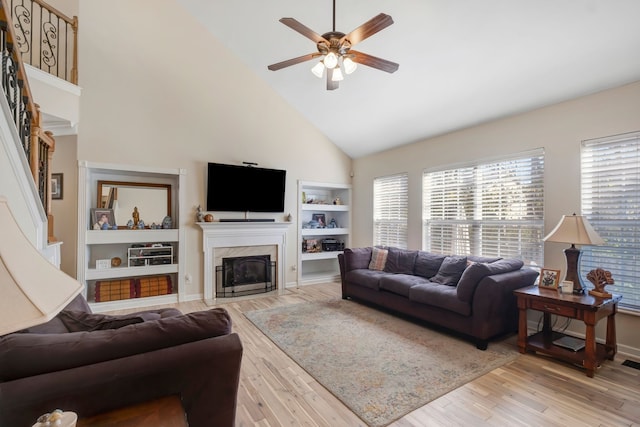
point(531, 391)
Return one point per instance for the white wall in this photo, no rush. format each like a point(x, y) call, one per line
point(158, 90)
point(64, 211)
point(559, 129)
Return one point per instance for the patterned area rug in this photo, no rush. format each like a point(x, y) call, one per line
point(380, 366)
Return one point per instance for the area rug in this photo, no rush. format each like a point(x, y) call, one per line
point(382, 367)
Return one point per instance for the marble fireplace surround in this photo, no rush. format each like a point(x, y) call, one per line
point(227, 239)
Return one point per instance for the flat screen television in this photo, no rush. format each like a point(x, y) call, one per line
point(233, 188)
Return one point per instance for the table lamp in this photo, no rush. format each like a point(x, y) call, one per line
point(32, 290)
point(574, 229)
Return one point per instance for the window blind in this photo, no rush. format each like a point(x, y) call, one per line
point(391, 210)
point(489, 209)
point(610, 185)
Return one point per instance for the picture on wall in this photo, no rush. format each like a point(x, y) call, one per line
point(56, 186)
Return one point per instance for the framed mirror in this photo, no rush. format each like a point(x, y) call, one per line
point(152, 200)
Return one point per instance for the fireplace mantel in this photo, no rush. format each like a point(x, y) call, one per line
point(217, 235)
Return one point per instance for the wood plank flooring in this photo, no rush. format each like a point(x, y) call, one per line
point(531, 391)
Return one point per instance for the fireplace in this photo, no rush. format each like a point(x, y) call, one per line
point(226, 239)
point(245, 275)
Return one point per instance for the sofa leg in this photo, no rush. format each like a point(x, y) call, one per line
point(482, 345)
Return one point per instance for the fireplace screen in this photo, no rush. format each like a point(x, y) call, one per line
point(245, 275)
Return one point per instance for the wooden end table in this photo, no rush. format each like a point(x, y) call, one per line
point(586, 308)
point(165, 412)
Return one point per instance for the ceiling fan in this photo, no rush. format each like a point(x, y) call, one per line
point(335, 49)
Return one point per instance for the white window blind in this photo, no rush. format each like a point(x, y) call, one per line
point(391, 210)
point(489, 209)
point(611, 203)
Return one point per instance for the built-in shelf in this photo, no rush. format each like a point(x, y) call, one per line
point(98, 248)
point(315, 264)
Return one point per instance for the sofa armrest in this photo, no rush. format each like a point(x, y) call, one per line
point(205, 374)
point(494, 299)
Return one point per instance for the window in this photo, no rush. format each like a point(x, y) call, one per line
point(391, 210)
point(611, 203)
point(488, 209)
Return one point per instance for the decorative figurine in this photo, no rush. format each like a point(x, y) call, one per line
point(288, 218)
point(136, 217)
point(105, 226)
point(130, 224)
point(140, 224)
point(337, 201)
point(332, 223)
point(199, 214)
point(167, 222)
point(600, 278)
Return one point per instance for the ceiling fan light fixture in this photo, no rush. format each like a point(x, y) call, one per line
point(337, 75)
point(331, 60)
point(349, 65)
point(318, 70)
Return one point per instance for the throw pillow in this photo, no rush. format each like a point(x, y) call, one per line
point(378, 259)
point(451, 270)
point(80, 321)
point(427, 264)
point(400, 261)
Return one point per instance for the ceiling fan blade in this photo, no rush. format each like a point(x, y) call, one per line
point(369, 28)
point(372, 61)
point(293, 61)
point(331, 85)
point(302, 29)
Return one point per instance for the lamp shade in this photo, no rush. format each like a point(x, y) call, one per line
point(32, 290)
point(574, 229)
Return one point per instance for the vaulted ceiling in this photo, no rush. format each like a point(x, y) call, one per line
point(462, 62)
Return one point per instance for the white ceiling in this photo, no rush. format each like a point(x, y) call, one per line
point(462, 62)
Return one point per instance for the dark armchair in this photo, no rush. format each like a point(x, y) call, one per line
point(92, 363)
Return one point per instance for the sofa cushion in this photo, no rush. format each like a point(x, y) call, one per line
point(479, 270)
point(427, 264)
point(400, 261)
point(365, 277)
point(378, 259)
point(400, 283)
point(78, 321)
point(441, 296)
point(23, 355)
point(450, 271)
point(355, 258)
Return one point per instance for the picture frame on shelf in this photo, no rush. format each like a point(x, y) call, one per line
point(56, 186)
point(321, 218)
point(312, 246)
point(101, 219)
point(549, 278)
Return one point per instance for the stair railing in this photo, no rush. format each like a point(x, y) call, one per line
point(46, 38)
point(37, 144)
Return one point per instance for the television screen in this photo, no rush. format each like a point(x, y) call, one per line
point(233, 188)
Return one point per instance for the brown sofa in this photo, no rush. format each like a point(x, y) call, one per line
point(472, 296)
point(92, 363)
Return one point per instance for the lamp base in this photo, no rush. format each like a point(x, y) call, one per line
point(573, 255)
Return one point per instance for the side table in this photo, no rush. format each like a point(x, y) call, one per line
point(586, 308)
